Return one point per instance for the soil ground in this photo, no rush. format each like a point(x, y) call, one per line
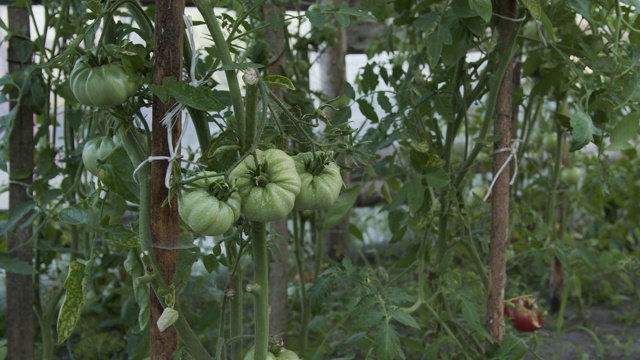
point(603, 332)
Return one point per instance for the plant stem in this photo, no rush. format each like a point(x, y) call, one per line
point(132, 144)
point(261, 280)
point(205, 7)
point(298, 236)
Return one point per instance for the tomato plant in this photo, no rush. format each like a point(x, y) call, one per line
point(268, 185)
point(96, 151)
point(101, 85)
point(321, 181)
point(209, 206)
point(570, 176)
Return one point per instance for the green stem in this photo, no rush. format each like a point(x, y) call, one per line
point(318, 239)
point(132, 144)
point(202, 128)
point(261, 280)
point(236, 304)
point(298, 236)
point(205, 7)
point(251, 119)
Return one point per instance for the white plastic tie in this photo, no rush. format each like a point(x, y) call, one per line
point(512, 149)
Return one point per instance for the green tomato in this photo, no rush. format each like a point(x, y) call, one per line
point(321, 181)
point(102, 86)
point(269, 188)
point(285, 354)
point(96, 151)
point(209, 207)
point(550, 143)
point(250, 355)
point(570, 176)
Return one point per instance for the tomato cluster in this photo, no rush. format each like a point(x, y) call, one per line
point(283, 354)
point(268, 185)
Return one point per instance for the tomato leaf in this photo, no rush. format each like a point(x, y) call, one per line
point(340, 209)
point(117, 175)
point(367, 110)
point(387, 343)
point(76, 215)
point(626, 129)
point(141, 291)
point(120, 236)
point(199, 97)
point(511, 347)
point(73, 301)
point(279, 81)
point(21, 210)
point(582, 130)
point(15, 266)
point(483, 8)
point(404, 318)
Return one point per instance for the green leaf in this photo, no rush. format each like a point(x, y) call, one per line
point(120, 236)
point(511, 347)
point(356, 13)
point(316, 18)
point(582, 130)
point(16, 266)
point(436, 39)
point(210, 262)
point(625, 130)
point(73, 301)
point(426, 21)
point(141, 291)
point(369, 79)
point(348, 90)
point(483, 8)
point(343, 19)
point(17, 214)
point(437, 177)
point(279, 81)
point(534, 7)
point(415, 194)
point(386, 343)
point(384, 102)
point(200, 98)
point(339, 211)
point(76, 215)
point(367, 110)
point(117, 175)
point(404, 318)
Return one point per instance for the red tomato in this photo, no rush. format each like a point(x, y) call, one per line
point(524, 313)
point(308, 277)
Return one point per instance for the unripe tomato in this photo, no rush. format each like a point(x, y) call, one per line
point(96, 151)
point(477, 194)
point(550, 143)
point(250, 355)
point(321, 181)
point(285, 354)
point(570, 176)
point(101, 86)
point(269, 187)
point(209, 207)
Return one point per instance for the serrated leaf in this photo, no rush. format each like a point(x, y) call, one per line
point(141, 291)
point(199, 98)
point(316, 18)
point(483, 8)
point(339, 211)
point(386, 343)
point(626, 129)
point(17, 214)
point(436, 177)
point(279, 81)
point(15, 266)
point(511, 347)
point(348, 90)
point(73, 301)
point(534, 7)
point(384, 102)
point(404, 318)
point(76, 215)
point(367, 110)
point(582, 130)
point(117, 175)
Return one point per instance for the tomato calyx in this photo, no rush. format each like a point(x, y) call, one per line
point(260, 175)
point(318, 163)
point(221, 190)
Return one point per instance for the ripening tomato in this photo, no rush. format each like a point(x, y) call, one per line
point(524, 313)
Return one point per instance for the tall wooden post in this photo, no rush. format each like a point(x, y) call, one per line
point(500, 203)
point(333, 70)
point(278, 275)
point(165, 221)
point(20, 287)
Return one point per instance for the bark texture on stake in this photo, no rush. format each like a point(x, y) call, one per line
point(20, 287)
point(279, 231)
point(333, 68)
point(165, 222)
point(500, 203)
